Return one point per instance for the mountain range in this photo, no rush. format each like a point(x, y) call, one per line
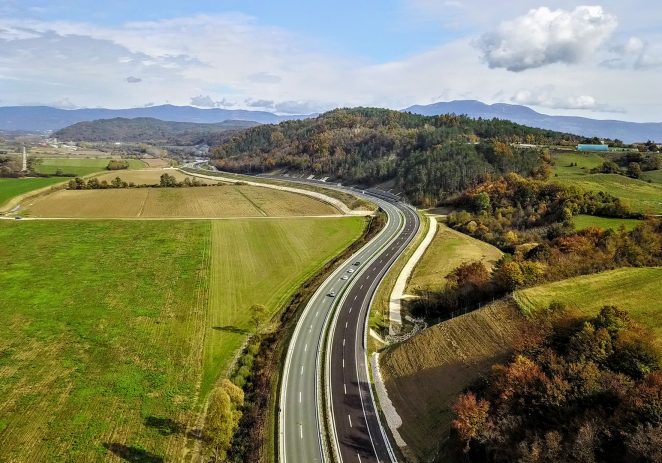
point(45, 118)
point(629, 132)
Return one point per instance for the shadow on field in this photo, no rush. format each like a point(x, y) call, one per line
point(231, 329)
point(165, 426)
point(133, 454)
point(168, 426)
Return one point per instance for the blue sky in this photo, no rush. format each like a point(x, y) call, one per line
point(562, 57)
point(375, 30)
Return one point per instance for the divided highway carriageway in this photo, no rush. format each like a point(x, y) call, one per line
point(326, 370)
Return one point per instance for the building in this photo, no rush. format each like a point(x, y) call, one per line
point(585, 147)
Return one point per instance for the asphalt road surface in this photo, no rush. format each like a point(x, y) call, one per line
point(356, 432)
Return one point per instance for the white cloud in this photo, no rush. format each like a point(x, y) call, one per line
point(133, 80)
point(545, 36)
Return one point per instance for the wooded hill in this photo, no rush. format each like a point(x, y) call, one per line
point(150, 130)
point(427, 156)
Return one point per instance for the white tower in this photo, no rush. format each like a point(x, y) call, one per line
point(25, 160)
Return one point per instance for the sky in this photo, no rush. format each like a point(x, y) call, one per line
point(601, 60)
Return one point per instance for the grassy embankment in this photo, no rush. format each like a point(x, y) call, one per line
point(640, 195)
point(114, 330)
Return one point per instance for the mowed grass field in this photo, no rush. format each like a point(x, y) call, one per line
point(80, 166)
point(114, 330)
point(637, 290)
point(585, 162)
point(201, 202)
point(585, 221)
point(448, 250)
point(12, 187)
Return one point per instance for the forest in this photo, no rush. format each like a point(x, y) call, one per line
point(428, 157)
point(575, 390)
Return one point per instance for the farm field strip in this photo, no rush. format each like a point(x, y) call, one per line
point(122, 359)
point(206, 202)
point(13, 187)
point(80, 166)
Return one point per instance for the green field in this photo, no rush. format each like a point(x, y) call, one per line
point(110, 328)
point(585, 162)
point(448, 250)
point(80, 166)
point(640, 195)
point(637, 290)
point(584, 221)
point(654, 176)
point(12, 187)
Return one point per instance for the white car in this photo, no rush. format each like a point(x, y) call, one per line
point(332, 294)
point(344, 277)
point(351, 270)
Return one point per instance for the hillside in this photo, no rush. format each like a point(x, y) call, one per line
point(425, 374)
point(150, 130)
point(45, 118)
point(629, 132)
point(427, 156)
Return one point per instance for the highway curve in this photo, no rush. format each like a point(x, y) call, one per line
point(356, 433)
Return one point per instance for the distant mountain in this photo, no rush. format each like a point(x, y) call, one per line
point(45, 118)
point(629, 132)
point(148, 129)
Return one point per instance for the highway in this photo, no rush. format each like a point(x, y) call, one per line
point(356, 433)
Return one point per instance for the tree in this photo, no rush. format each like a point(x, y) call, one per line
point(634, 170)
point(257, 314)
point(471, 417)
point(168, 180)
point(222, 421)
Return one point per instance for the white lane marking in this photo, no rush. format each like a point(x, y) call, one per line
point(299, 396)
point(344, 386)
point(345, 325)
point(305, 348)
point(343, 341)
point(343, 363)
point(350, 421)
point(301, 370)
point(355, 297)
point(350, 310)
point(311, 327)
point(361, 287)
point(359, 457)
point(301, 431)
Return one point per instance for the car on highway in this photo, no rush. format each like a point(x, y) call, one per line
point(351, 270)
point(332, 294)
point(344, 277)
point(357, 263)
